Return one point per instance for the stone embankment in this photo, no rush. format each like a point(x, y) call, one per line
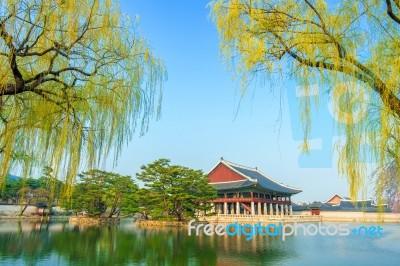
point(92, 220)
point(247, 218)
point(360, 217)
point(306, 217)
point(162, 224)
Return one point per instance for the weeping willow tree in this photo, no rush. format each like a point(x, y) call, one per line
point(350, 47)
point(390, 189)
point(76, 81)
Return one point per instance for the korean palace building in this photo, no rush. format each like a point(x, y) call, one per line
point(246, 190)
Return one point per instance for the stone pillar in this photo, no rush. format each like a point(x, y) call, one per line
point(271, 209)
point(291, 209)
point(277, 209)
point(225, 208)
point(237, 208)
point(282, 212)
point(232, 208)
point(265, 208)
point(286, 210)
point(252, 208)
point(259, 208)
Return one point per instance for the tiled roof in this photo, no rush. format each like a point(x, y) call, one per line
point(354, 206)
point(265, 181)
point(253, 177)
point(348, 204)
point(331, 198)
point(233, 185)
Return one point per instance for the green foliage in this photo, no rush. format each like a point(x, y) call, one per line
point(119, 194)
point(388, 185)
point(146, 200)
point(27, 192)
point(349, 48)
point(51, 184)
point(98, 191)
point(173, 190)
point(9, 194)
point(77, 79)
point(32, 190)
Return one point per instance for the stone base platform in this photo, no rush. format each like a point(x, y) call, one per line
point(93, 220)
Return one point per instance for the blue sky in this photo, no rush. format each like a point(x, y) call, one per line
point(204, 118)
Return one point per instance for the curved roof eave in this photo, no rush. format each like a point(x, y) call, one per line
point(279, 186)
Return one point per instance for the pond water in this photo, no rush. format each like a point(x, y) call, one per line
point(59, 243)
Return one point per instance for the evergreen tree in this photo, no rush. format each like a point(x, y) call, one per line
point(174, 191)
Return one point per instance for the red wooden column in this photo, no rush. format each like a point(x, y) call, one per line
point(252, 203)
point(237, 203)
point(225, 204)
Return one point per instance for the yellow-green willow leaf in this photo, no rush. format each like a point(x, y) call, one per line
point(329, 44)
point(76, 81)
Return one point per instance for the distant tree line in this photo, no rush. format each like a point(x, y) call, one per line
point(43, 191)
point(169, 192)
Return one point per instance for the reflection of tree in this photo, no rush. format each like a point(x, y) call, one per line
point(115, 245)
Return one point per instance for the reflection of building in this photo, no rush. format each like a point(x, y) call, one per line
point(245, 190)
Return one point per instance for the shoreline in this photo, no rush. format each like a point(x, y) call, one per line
point(87, 221)
point(34, 218)
point(304, 217)
point(365, 217)
point(160, 224)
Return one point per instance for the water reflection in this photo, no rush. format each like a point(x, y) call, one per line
point(59, 243)
point(34, 242)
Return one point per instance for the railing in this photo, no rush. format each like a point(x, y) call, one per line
point(313, 218)
point(247, 200)
point(266, 216)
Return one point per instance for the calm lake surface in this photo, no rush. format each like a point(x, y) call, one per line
point(58, 243)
